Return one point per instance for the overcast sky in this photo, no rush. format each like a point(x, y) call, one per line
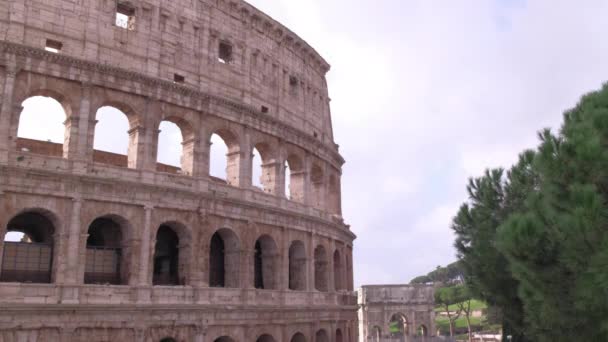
point(428, 93)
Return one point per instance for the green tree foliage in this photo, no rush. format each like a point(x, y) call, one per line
point(445, 297)
point(558, 245)
point(534, 242)
point(493, 197)
point(451, 274)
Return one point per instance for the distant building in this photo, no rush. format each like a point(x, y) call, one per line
point(396, 313)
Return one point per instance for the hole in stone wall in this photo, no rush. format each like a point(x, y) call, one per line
point(166, 257)
point(264, 109)
point(53, 46)
point(218, 159)
point(170, 146)
point(41, 127)
point(112, 141)
point(256, 172)
point(225, 53)
point(125, 16)
point(177, 78)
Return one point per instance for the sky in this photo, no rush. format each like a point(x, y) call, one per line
point(425, 94)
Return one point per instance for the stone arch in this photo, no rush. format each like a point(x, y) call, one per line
point(321, 336)
point(265, 338)
point(229, 142)
point(224, 339)
point(298, 337)
point(422, 331)
point(103, 152)
point(376, 333)
point(296, 177)
point(338, 271)
point(321, 273)
point(399, 325)
point(27, 123)
point(31, 258)
point(171, 254)
point(186, 150)
point(265, 263)
point(108, 251)
point(267, 170)
point(339, 337)
point(224, 259)
point(297, 266)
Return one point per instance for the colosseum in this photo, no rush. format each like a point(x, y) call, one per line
point(120, 247)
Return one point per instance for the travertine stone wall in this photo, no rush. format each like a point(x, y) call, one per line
point(164, 66)
point(380, 304)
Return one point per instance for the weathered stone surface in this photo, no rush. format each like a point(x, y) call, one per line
point(156, 223)
point(381, 304)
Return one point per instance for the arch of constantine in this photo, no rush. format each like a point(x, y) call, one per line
point(396, 313)
point(120, 247)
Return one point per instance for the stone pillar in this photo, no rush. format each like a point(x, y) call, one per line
point(273, 176)
point(144, 254)
point(239, 163)
point(6, 114)
point(310, 269)
point(77, 145)
point(306, 180)
point(331, 286)
point(247, 261)
point(135, 151)
point(192, 158)
point(73, 246)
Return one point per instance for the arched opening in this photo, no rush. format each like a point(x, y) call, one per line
point(166, 257)
point(297, 266)
point(321, 269)
point(376, 334)
point(28, 249)
point(224, 157)
point(338, 271)
point(298, 337)
point(42, 129)
point(398, 325)
point(105, 256)
point(265, 338)
point(113, 142)
point(297, 177)
point(264, 173)
point(287, 173)
point(175, 152)
point(339, 337)
point(224, 256)
point(422, 331)
point(317, 187)
point(265, 263)
point(256, 169)
point(168, 339)
point(321, 336)
point(223, 339)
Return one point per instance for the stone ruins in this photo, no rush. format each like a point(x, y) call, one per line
point(123, 248)
point(396, 313)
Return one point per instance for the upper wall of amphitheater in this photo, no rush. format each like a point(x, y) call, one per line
point(223, 48)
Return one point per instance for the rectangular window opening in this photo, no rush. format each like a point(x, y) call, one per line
point(225, 53)
point(125, 16)
point(53, 46)
point(177, 78)
point(264, 109)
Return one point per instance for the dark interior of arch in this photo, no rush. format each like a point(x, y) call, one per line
point(297, 267)
point(104, 253)
point(166, 257)
point(339, 335)
point(338, 273)
point(223, 339)
point(168, 339)
point(217, 270)
point(321, 336)
point(298, 337)
point(29, 260)
point(400, 322)
point(265, 338)
point(257, 262)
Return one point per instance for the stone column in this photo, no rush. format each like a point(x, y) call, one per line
point(6, 114)
point(310, 269)
point(73, 246)
point(77, 145)
point(331, 287)
point(248, 268)
point(244, 166)
point(135, 150)
point(307, 183)
point(144, 253)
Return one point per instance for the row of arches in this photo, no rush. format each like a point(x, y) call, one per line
point(320, 336)
point(29, 252)
point(398, 326)
point(119, 135)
